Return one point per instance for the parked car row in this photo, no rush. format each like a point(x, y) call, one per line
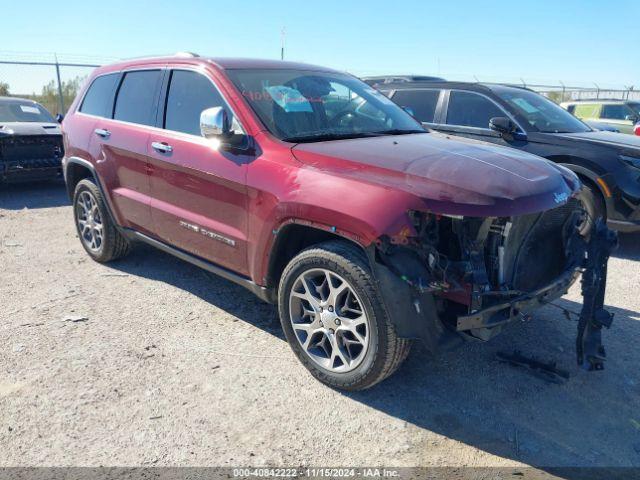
point(318, 193)
point(622, 115)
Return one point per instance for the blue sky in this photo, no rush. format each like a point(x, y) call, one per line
point(577, 42)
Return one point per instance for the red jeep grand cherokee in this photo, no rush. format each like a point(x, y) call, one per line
point(317, 193)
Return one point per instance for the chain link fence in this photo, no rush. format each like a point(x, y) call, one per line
point(50, 79)
point(54, 79)
point(562, 93)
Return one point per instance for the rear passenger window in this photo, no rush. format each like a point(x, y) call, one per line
point(471, 110)
point(99, 97)
point(422, 102)
point(189, 94)
point(135, 102)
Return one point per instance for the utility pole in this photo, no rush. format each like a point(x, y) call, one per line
point(282, 35)
point(60, 98)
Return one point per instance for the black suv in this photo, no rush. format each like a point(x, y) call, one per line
point(607, 163)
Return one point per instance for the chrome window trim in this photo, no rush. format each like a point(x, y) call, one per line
point(153, 128)
point(116, 72)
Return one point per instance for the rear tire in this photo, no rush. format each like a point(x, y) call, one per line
point(332, 282)
point(96, 230)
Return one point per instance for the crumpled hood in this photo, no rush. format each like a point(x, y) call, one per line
point(453, 176)
point(29, 128)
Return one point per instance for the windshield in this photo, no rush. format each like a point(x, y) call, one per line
point(541, 112)
point(15, 111)
point(307, 106)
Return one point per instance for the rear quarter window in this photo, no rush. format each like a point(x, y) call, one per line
point(136, 98)
point(99, 97)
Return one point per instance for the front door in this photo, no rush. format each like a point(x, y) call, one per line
point(199, 190)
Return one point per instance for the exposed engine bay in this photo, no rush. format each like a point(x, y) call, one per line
point(470, 276)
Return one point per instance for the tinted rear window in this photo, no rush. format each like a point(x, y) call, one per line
point(99, 98)
point(189, 94)
point(422, 102)
point(135, 102)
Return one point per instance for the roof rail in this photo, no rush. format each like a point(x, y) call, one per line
point(186, 54)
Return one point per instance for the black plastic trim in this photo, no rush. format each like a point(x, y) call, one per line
point(263, 293)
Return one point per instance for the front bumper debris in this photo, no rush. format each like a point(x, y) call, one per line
point(546, 370)
point(589, 349)
point(519, 306)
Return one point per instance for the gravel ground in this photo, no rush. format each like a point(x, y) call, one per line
point(151, 361)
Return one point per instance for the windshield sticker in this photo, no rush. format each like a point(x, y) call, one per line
point(290, 99)
point(526, 106)
point(29, 109)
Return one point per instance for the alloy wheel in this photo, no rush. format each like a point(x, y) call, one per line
point(329, 320)
point(89, 220)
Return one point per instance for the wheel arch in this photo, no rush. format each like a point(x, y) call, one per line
point(292, 238)
point(586, 175)
point(76, 169)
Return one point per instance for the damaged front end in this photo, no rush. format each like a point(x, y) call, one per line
point(451, 277)
point(29, 157)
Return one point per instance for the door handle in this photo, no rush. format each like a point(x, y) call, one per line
point(101, 132)
point(162, 147)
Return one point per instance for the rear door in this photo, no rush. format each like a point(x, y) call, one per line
point(120, 146)
point(199, 190)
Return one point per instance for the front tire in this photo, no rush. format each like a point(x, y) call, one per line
point(334, 318)
point(96, 230)
point(594, 206)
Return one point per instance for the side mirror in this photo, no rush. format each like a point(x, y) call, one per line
point(409, 110)
point(214, 123)
point(502, 125)
point(59, 117)
point(631, 118)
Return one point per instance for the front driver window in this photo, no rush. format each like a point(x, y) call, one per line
point(471, 110)
point(189, 94)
